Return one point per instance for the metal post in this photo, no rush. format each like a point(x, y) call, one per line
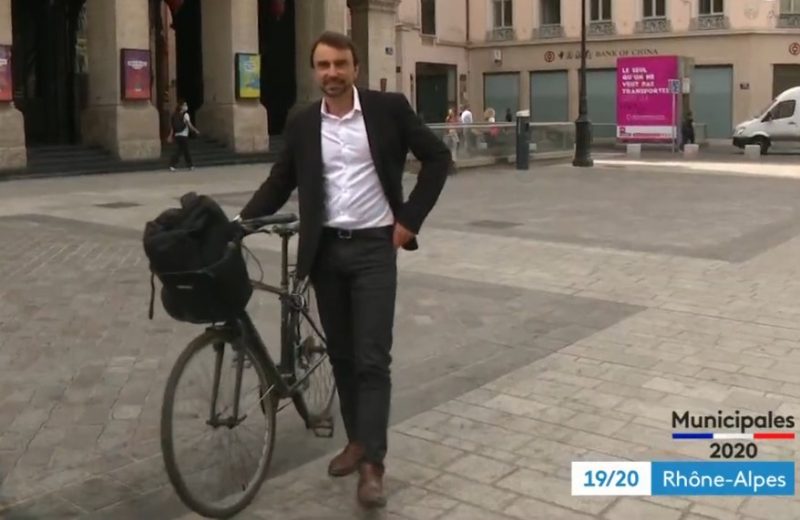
point(583, 127)
point(674, 124)
point(523, 140)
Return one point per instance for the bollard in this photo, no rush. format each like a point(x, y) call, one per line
point(523, 139)
point(691, 150)
point(752, 152)
point(634, 150)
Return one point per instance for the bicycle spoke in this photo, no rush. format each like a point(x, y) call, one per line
point(260, 400)
point(242, 457)
point(197, 438)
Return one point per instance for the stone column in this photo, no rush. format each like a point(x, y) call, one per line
point(129, 129)
point(12, 137)
point(310, 21)
point(230, 26)
point(373, 25)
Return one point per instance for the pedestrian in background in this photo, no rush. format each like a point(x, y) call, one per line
point(687, 130)
point(181, 124)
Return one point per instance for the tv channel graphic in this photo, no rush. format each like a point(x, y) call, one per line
point(769, 427)
point(683, 478)
point(732, 471)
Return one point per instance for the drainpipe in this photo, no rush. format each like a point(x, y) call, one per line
point(466, 52)
point(468, 22)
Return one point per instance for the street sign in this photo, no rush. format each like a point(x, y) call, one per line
point(674, 86)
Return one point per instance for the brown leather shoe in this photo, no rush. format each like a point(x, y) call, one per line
point(370, 486)
point(347, 461)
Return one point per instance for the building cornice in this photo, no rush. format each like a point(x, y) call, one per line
point(434, 41)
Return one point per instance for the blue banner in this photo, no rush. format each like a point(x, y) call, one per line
point(749, 478)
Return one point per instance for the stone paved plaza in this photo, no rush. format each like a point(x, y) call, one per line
point(550, 316)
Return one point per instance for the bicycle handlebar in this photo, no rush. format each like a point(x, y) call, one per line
point(255, 225)
point(269, 220)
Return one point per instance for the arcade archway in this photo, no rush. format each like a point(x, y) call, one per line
point(276, 29)
point(178, 49)
point(49, 68)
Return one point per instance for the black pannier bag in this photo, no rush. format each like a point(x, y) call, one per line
point(195, 252)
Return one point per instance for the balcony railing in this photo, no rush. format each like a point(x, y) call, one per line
point(601, 28)
point(500, 34)
point(789, 21)
point(549, 30)
point(653, 25)
point(710, 22)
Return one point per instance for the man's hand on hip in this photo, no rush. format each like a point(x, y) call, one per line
point(401, 235)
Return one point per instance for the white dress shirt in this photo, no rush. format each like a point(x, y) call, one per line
point(353, 193)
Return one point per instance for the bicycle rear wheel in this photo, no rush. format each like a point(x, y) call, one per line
point(313, 370)
point(217, 451)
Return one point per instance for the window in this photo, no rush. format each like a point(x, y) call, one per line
point(551, 12)
point(428, 11)
point(601, 10)
point(783, 110)
point(790, 6)
point(655, 8)
point(712, 7)
point(502, 13)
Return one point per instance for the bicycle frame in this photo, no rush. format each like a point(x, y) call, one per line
point(242, 330)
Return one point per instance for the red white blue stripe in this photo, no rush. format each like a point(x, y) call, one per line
point(771, 436)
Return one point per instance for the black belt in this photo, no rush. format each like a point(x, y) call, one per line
point(348, 234)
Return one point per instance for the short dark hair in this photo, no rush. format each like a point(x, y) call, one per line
point(337, 41)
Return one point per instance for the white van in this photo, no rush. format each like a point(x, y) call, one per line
point(778, 126)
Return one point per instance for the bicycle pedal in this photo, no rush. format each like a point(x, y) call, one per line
point(323, 428)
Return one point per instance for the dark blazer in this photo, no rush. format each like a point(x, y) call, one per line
point(392, 129)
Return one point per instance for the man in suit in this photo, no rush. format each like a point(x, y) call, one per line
point(346, 156)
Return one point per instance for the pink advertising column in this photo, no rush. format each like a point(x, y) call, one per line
point(645, 110)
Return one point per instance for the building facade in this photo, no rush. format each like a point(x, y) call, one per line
point(108, 73)
point(525, 54)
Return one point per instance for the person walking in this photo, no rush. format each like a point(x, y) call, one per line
point(687, 130)
point(346, 156)
point(181, 124)
point(451, 134)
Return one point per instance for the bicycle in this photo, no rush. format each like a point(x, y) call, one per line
point(301, 357)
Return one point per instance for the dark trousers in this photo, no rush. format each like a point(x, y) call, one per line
point(355, 282)
point(181, 148)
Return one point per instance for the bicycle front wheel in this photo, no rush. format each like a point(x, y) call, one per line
point(217, 425)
